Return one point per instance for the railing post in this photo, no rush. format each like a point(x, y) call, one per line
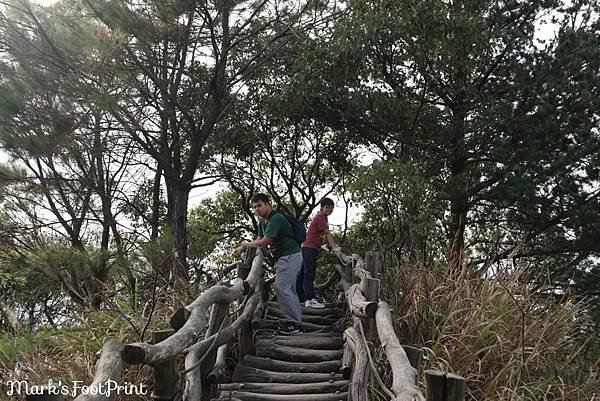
point(246, 340)
point(246, 335)
point(218, 313)
point(443, 386)
point(414, 355)
point(244, 267)
point(370, 288)
point(165, 374)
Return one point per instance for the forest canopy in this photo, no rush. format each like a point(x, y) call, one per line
point(465, 134)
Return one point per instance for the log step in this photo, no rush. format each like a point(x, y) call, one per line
point(292, 367)
point(247, 374)
point(292, 354)
point(272, 324)
point(285, 388)
point(315, 319)
point(244, 396)
point(315, 343)
point(329, 311)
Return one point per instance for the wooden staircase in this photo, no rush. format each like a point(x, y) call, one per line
point(298, 367)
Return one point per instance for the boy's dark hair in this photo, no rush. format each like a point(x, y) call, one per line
point(260, 198)
point(327, 202)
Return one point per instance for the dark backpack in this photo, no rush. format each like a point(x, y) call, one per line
point(298, 228)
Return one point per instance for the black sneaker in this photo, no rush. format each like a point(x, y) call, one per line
point(288, 328)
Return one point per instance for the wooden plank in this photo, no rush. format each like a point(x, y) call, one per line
point(292, 367)
point(244, 373)
point(108, 367)
point(292, 354)
point(285, 388)
point(244, 396)
point(404, 376)
point(165, 374)
point(414, 355)
point(333, 312)
point(314, 319)
point(444, 386)
point(316, 343)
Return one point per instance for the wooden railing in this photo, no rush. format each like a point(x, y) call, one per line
point(205, 358)
point(371, 324)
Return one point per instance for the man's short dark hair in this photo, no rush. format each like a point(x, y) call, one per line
point(327, 202)
point(260, 198)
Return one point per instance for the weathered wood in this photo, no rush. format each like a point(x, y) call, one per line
point(244, 373)
point(244, 396)
point(347, 359)
point(359, 306)
point(443, 386)
point(193, 377)
point(291, 354)
point(404, 376)
point(220, 363)
point(321, 320)
point(256, 272)
point(323, 343)
point(370, 289)
point(108, 367)
point(414, 355)
point(244, 267)
point(360, 373)
point(343, 258)
point(218, 314)
point(273, 324)
point(333, 311)
point(369, 261)
point(258, 313)
point(246, 335)
point(292, 367)
point(377, 271)
point(165, 374)
point(346, 273)
point(246, 339)
point(285, 388)
point(137, 353)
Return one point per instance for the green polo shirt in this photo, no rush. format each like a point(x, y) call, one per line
point(277, 227)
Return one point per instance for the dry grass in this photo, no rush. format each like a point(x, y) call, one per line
point(509, 343)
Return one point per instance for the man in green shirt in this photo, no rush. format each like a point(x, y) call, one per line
point(276, 232)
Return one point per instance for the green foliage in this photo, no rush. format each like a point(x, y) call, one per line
point(217, 225)
point(401, 208)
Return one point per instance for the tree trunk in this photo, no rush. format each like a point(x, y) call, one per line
point(458, 190)
point(181, 194)
point(155, 218)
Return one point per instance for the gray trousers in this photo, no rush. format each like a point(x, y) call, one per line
point(286, 274)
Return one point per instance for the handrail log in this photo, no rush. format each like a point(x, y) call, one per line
point(256, 270)
point(108, 368)
point(193, 382)
point(360, 371)
point(142, 352)
point(404, 376)
point(220, 363)
point(358, 304)
point(347, 360)
point(182, 314)
point(362, 274)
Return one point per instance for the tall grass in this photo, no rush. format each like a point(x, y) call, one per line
point(507, 341)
